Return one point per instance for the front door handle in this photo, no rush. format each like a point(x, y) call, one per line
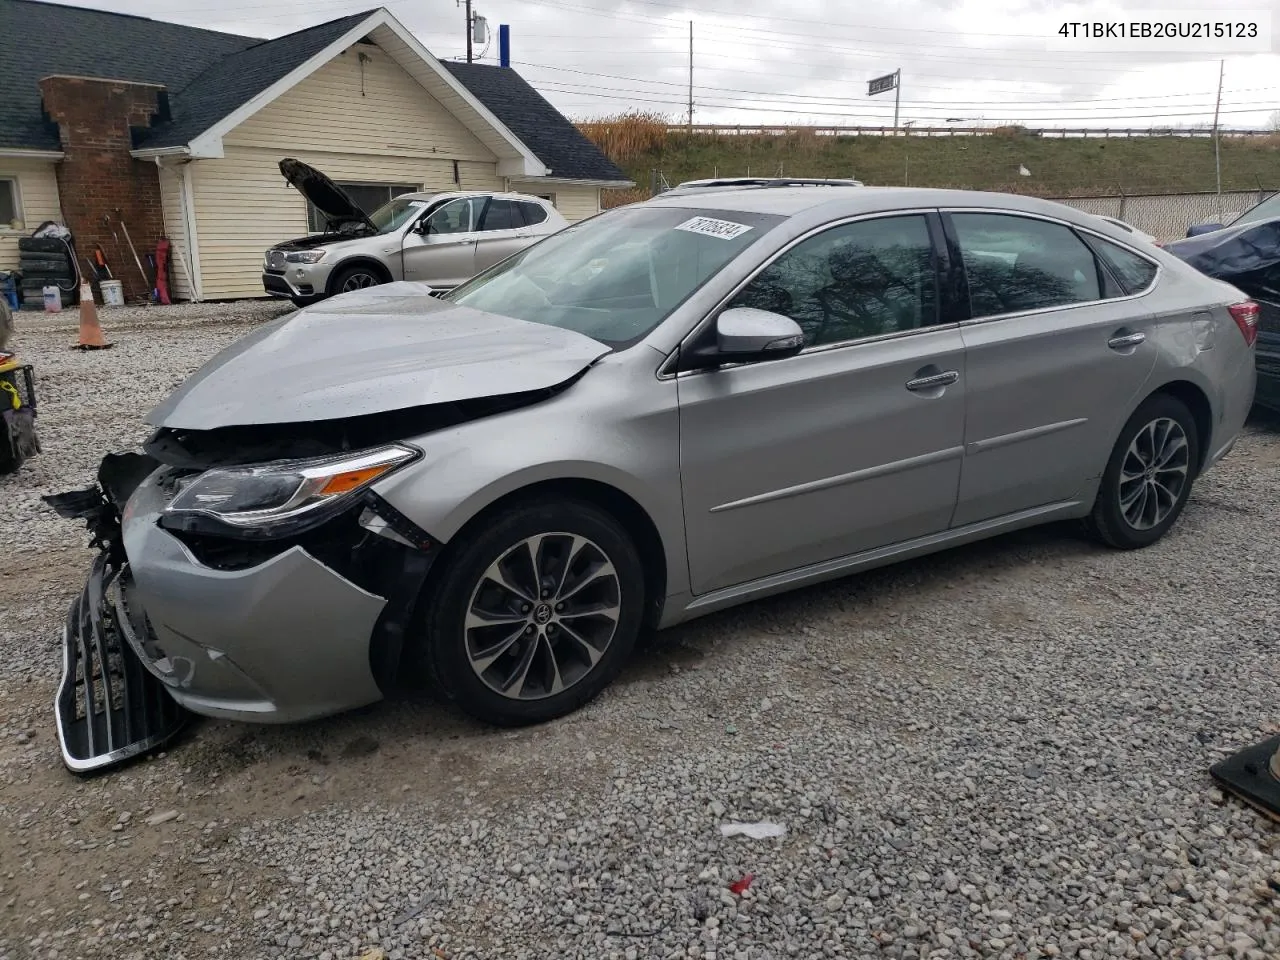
point(1126, 340)
point(944, 379)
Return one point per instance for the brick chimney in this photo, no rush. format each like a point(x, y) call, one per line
point(96, 121)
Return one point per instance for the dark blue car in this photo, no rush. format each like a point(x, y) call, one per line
point(1268, 209)
point(1247, 256)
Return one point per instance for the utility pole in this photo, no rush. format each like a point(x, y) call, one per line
point(691, 78)
point(1217, 157)
point(469, 57)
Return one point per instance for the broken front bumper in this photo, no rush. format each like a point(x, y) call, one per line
point(163, 627)
point(108, 707)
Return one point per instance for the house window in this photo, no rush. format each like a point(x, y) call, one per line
point(549, 197)
point(10, 207)
point(367, 196)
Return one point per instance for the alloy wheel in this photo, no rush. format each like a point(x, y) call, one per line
point(1154, 473)
point(542, 616)
point(358, 281)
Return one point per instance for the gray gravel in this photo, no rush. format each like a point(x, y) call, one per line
point(996, 752)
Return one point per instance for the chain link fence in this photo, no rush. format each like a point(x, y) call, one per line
point(1166, 216)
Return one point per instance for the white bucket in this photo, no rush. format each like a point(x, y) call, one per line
point(52, 299)
point(112, 293)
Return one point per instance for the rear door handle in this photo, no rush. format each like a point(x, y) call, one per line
point(944, 379)
point(1126, 340)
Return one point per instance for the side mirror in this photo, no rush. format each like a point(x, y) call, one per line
point(746, 335)
point(1199, 228)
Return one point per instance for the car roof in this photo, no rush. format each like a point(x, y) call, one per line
point(851, 201)
point(439, 194)
point(764, 182)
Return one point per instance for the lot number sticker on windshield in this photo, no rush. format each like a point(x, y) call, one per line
point(711, 227)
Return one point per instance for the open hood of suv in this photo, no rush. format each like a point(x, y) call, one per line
point(327, 197)
point(387, 348)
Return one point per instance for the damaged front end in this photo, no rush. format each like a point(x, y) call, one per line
point(223, 609)
point(108, 708)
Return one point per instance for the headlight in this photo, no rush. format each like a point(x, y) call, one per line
point(305, 256)
point(265, 498)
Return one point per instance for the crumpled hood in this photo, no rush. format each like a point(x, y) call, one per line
point(385, 348)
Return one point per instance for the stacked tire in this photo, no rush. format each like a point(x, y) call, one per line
point(46, 261)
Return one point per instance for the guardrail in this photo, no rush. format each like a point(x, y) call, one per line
point(716, 129)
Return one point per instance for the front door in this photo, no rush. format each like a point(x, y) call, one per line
point(855, 443)
point(442, 250)
point(1057, 354)
point(502, 233)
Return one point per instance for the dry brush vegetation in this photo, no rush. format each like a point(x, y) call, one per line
point(643, 143)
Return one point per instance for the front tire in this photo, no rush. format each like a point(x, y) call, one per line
point(1148, 478)
point(535, 612)
point(356, 278)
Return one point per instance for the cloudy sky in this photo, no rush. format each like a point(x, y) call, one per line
point(758, 62)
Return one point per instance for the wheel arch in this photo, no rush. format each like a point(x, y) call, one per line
point(1194, 397)
point(620, 505)
point(342, 266)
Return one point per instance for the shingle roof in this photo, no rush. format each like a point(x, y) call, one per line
point(232, 81)
point(41, 39)
point(540, 126)
point(208, 75)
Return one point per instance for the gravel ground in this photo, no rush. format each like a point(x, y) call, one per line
point(1000, 751)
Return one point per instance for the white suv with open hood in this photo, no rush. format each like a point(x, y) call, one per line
point(440, 239)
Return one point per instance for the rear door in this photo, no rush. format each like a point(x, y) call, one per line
point(502, 232)
point(445, 254)
point(1056, 353)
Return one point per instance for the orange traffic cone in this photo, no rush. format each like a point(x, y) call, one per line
point(91, 337)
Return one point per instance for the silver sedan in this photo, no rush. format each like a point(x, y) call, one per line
point(663, 411)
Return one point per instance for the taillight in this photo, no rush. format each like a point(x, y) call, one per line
point(1246, 317)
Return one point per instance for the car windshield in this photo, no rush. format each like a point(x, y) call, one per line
point(1265, 210)
point(618, 275)
point(392, 215)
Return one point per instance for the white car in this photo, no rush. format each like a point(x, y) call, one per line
point(437, 238)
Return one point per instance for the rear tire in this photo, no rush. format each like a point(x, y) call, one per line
point(552, 640)
point(1149, 476)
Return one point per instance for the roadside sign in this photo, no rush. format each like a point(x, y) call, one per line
point(882, 84)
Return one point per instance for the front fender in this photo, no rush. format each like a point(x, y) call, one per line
point(617, 426)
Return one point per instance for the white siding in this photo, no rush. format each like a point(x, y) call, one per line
point(577, 203)
point(574, 203)
point(38, 194)
point(369, 122)
point(243, 205)
point(176, 230)
point(352, 107)
point(356, 121)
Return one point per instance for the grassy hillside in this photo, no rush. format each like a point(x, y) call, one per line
point(1058, 166)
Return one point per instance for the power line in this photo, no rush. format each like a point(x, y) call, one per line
point(1015, 108)
point(869, 101)
point(843, 75)
point(739, 106)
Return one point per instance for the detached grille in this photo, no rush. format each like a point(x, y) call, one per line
point(275, 261)
point(109, 708)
